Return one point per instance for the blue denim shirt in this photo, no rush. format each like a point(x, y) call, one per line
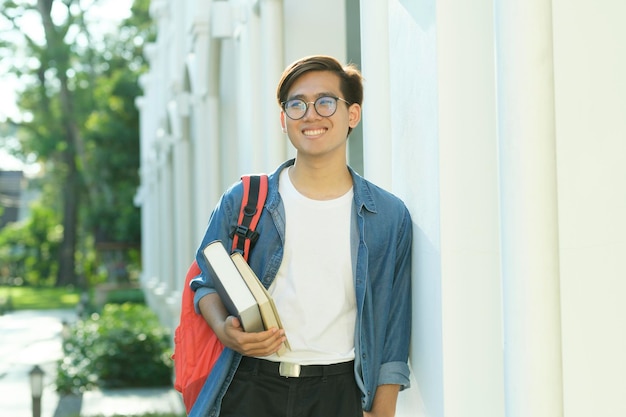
point(381, 236)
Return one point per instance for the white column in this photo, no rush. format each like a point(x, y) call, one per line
point(376, 108)
point(150, 210)
point(272, 65)
point(143, 197)
point(166, 237)
point(146, 199)
point(529, 223)
point(179, 113)
point(183, 249)
point(248, 86)
point(204, 63)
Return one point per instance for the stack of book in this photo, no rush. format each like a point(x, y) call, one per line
point(243, 295)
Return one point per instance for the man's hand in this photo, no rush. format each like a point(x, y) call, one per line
point(229, 331)
point(250, 344)
point(385, 401)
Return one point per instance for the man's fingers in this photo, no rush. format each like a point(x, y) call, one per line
point(252, 344)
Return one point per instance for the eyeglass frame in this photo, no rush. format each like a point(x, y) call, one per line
point(314, 106)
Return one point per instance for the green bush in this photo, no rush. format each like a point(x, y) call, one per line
point(125, 346)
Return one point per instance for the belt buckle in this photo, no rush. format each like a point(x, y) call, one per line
point(289, 370)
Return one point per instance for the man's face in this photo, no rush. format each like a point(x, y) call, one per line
point(314, 135)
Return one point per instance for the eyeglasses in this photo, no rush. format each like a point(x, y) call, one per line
point(325, 106)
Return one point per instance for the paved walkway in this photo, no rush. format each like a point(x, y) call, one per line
point(29, 338)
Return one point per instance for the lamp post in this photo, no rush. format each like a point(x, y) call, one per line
point(36, 388)
point(65, 330)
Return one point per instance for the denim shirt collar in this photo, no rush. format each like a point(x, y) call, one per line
point(362, 196)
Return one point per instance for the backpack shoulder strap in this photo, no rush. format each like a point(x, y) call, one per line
point(254, 194)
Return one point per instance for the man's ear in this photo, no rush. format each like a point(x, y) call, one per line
point(354, 115)
point(283, 123)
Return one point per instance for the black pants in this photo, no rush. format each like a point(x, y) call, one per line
point(259, 392)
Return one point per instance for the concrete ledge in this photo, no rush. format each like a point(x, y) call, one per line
point(130, 402)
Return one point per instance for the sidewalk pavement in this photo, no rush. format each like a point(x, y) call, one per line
point(29, 338)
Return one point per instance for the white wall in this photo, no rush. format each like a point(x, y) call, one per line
point(445, 168)
point(590, 79)
point(314, 27)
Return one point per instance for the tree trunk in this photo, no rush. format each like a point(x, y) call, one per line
point(71, 193)
point(67, 262)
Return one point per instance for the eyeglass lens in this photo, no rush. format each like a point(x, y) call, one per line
point(325, 106)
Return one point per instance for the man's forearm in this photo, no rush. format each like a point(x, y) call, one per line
point(213, 311)
point(385, 400)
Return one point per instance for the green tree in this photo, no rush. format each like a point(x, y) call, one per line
point(79, 118)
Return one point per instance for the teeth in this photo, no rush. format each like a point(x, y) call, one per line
point(314, 132)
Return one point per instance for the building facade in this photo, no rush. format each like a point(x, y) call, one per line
point(12, 187)
point(500, 123)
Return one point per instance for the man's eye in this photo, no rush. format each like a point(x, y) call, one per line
point(326, 101)
point(294, 104)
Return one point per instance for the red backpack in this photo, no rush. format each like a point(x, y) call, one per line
point(196, 347)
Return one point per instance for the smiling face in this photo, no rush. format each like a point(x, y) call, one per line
point(314, 135)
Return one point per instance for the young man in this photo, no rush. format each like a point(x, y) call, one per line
point(335, 252)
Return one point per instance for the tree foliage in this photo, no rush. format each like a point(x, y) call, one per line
point(29, 250)
point(79, 119)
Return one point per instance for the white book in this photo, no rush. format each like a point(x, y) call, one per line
point(268, 310)
point(232, 289)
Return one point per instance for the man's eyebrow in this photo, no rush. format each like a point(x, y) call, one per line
point(318, 95)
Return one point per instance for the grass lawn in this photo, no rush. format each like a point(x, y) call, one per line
point(30, 298)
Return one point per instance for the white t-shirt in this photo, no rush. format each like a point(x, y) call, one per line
point(314, 289)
